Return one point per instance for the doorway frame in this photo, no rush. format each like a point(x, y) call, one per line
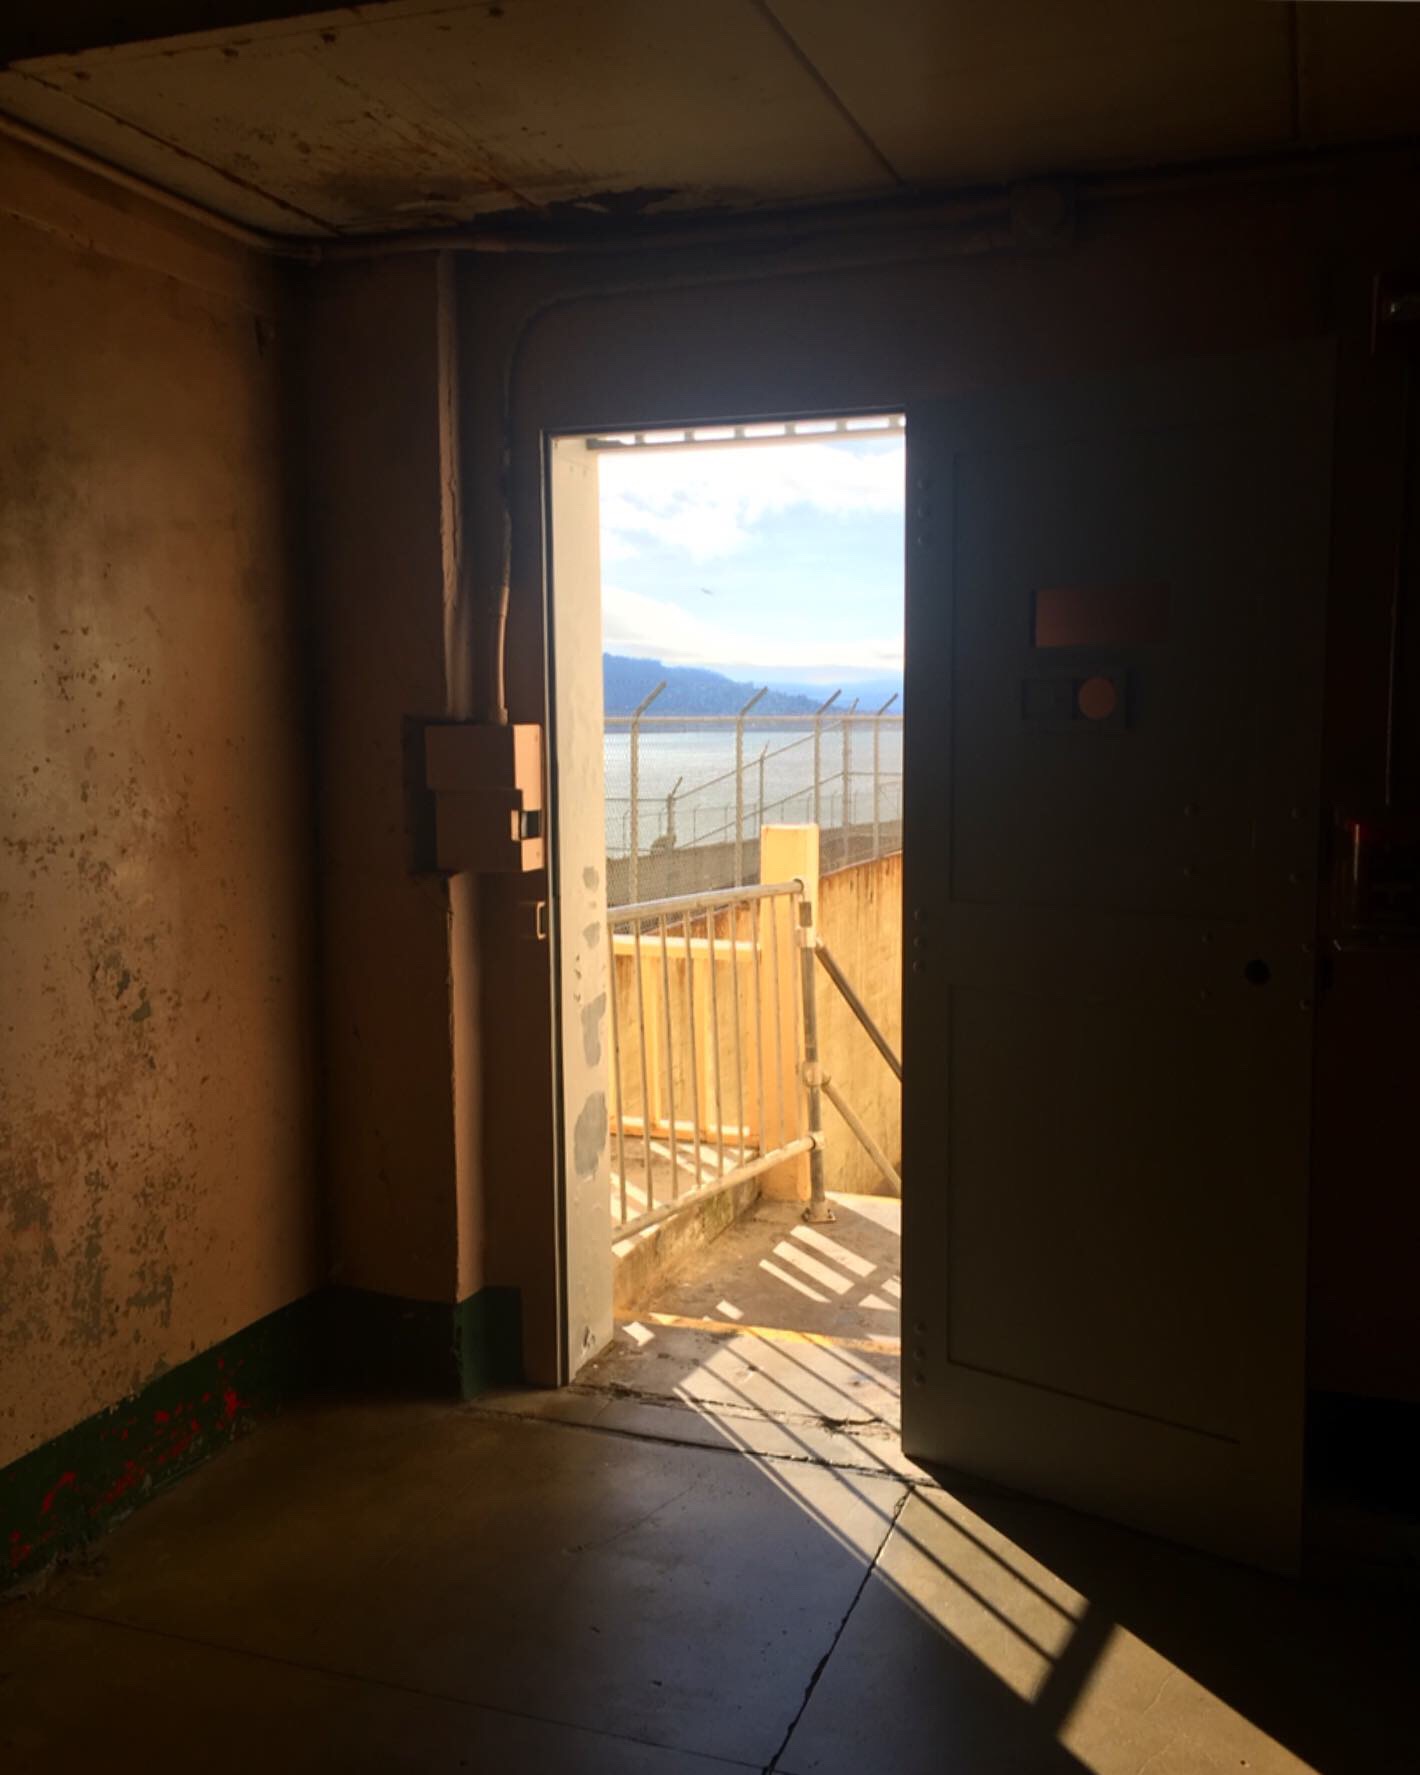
point(565, 696)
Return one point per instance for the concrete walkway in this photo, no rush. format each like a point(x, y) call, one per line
point(795, 1321)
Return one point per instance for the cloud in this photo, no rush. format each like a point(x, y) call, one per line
point(654, 628)
point(706, 502)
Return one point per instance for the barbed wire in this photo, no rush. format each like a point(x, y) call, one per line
point(833, 782)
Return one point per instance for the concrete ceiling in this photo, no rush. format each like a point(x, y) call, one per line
point(411, 113)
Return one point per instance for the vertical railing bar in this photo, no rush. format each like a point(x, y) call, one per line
point(670, 1057)
point(818, 1208)
point(739, 1048)
point(757, 933)
point(715, 1042)
point(645, 1072)
point(694, 1066)
point(797, 1033)
point(778, 1013)
point(616, 1071)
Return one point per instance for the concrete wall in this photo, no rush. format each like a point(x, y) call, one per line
point(159, 1188)
point(1212, 267)
point(371, 397)
point(860, 919)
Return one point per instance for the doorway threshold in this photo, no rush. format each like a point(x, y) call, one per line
point(780, 1340)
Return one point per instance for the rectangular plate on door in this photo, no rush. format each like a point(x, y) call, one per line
point(1100, 616)
point(1077, 700)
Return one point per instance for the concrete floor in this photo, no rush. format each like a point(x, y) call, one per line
point(721, 1563)
point(370, 1587)
point(839, 1279)
point(777, 1317)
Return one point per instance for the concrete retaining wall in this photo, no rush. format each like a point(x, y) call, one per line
point(860, 919)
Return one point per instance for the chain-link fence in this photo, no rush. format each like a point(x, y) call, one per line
point(687, 796)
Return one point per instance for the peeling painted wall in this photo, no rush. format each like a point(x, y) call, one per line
point(157, 1177)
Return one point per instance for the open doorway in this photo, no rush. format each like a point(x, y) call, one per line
point(1108, 1019)
point(727, 627)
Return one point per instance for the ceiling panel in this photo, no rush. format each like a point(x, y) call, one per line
point(409, 113)
point(381, 116)
point(962, 92)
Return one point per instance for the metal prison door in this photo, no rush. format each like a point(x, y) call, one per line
point(1114, 678)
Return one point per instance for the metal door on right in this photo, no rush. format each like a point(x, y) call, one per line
point(1115, 613)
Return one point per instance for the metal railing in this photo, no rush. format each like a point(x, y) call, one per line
point(707, 1020)
point(839, 768)
point(716, 1070)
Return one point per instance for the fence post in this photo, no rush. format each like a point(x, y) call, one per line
point(787, 853)
point(670, 814)
point(759, 818)
point(878, 775)
point(740, 785)
point(818, 750)
point(818, 1208)
point(634, 859)
point(847, 780)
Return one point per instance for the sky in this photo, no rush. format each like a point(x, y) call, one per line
point(778, 561)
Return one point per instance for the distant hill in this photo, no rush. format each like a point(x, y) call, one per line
point(690, 690)
point(871, 693)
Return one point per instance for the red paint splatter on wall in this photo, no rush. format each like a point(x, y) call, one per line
point(131, 1475)
point(156, 1444)
point(48, 1502)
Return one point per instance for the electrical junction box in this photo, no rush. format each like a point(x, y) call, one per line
point(488, 807)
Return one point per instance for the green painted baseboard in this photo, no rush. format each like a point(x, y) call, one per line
point(65, 1493)
point(385, 1343)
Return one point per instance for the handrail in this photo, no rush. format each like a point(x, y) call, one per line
point(727, 1126)
point(700, 902)
point(857, 1007)
point(662, 928)
point(741, 1174)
